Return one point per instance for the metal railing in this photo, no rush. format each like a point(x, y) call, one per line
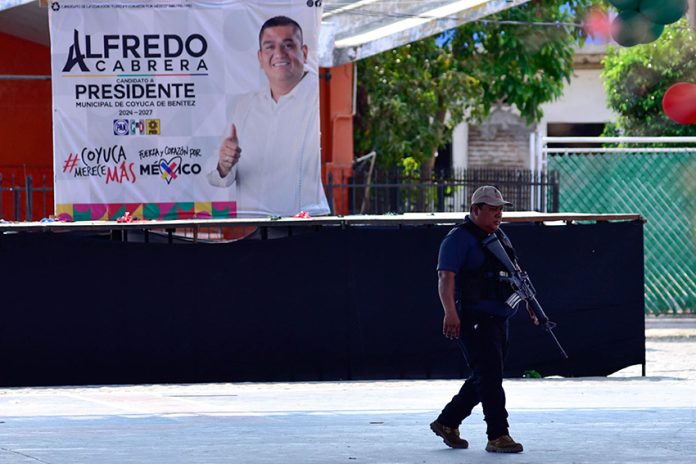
point(27, 201)
point(384, 191)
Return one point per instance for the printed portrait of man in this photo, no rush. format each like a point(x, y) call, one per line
point(271, 154)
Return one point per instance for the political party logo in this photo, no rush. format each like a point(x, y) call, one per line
point(137, 127)
point(121, 127)
point(152, 126)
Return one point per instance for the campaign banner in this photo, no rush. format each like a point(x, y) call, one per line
point(185, 109)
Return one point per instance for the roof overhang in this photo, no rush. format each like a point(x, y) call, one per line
point(25, 19)
point(351, 29)
point(358, 29)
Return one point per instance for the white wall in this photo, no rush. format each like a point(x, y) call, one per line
point(460, 146)
point(583, 101)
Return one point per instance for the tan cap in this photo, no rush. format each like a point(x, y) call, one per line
point(489, 195)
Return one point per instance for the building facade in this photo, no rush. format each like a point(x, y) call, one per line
point(503, 140)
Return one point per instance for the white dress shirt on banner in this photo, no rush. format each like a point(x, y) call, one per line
point(279, 171)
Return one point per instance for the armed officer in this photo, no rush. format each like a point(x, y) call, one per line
point(474, 297)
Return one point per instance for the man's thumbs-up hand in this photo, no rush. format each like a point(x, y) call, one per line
point(229, 153)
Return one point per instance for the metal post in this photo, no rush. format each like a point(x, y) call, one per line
point(330, 193)
point(532, 168)
point(397, 209)
point(519, 182)
point(15, 189)
point(555, 202)
point(543, 198)
point(541, 161)
point(29, 216)
point(44, 190)
point(440, 182)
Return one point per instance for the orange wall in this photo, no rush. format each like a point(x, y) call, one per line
point(25, 106)
point(25, 128)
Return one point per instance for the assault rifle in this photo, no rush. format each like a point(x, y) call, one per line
point(522, 286)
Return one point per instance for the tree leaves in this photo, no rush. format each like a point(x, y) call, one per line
point(636, 79)
point(410, 98)
point(407, 93)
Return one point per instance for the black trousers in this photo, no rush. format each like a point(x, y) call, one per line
point(484, 340)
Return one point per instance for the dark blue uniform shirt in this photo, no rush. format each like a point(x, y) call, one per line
point(460, 250)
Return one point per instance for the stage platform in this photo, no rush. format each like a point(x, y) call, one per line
point(407, 219)
point(329, 298)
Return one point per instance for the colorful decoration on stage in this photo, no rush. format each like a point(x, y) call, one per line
point(146, 211)
point(642, 21)
point(679, 103)
point(144, 94)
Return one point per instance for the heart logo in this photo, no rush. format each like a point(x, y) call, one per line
point(169, 168)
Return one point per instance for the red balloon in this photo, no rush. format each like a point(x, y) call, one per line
point(679, 103)
point(598, 25)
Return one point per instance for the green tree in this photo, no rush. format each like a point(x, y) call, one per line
point(405, 95)
point(636, 79)
point(410, 98)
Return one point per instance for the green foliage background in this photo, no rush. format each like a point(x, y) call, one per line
point(636, 79)
point(410, 98)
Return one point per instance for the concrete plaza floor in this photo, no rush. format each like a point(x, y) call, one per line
point(624, 418)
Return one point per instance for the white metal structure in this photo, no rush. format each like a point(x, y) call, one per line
point(540, 160)
point(351, 29)
point(539, 149)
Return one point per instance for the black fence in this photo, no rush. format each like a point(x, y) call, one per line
point(385, 191)
point(29, 201)
point(382, 191)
